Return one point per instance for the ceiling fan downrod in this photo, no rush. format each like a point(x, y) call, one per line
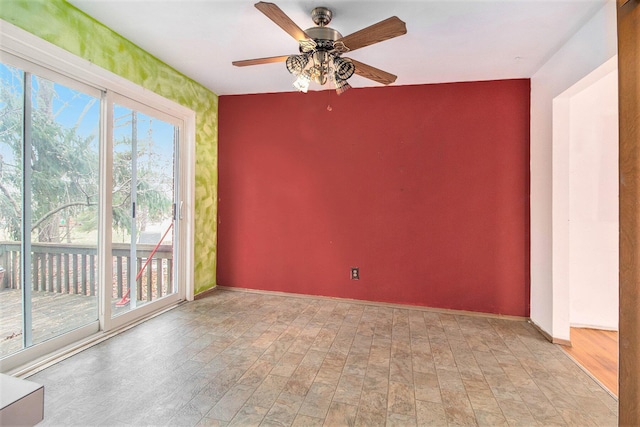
point(321, 16)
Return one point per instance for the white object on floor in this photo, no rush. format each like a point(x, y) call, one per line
point(21, 402)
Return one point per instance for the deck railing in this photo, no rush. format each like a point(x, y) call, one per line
point(72, 269)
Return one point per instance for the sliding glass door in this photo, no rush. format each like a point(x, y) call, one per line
point(90, 209)
point(144, 200)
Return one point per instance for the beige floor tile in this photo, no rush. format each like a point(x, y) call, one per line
point(422, 361)
point(401, 399)
point(603, 420)
point(516, 413)
point(558, 421)
point(301, 380)
point(427, 387)
point(248, 416)
point(329, 375)
point(341, 414)
point(284, 410)
point(325, 338)
point(457, 408)
point(356, 364)
point(318, 399)
point(283, 369)
point(307, 421)
point(275, 351)
point(372, 409)
point(256, 373)
point(490, 418)
point(231, 402)
point(210, 422)
point(267, 392)
point(400, 369)
point(430, 414)
point(349, 389)
point(313, 358)
point(241, 358)
point(376, 379)
point(401, 420)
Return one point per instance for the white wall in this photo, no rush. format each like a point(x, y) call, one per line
point(593, 44)
point(583, 128)
point(593, 204)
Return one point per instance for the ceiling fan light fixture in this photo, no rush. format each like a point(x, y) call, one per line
point(320, 69)
point(296, 63)
point(343, 68)
point(302, 82)
point(341, 85)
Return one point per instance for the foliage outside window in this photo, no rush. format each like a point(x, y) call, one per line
point(64, 163)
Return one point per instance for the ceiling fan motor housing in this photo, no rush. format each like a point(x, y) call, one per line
point(323, 33)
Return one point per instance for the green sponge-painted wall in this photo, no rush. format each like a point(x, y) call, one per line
point(67, 27)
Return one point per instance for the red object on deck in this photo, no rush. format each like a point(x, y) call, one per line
point(125, 299)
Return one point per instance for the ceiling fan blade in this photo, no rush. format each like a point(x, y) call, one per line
point(276, 14)
point(259, 61)
point(373, 73)
point(383, 30)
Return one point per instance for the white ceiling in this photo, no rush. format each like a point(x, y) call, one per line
point(446, 40)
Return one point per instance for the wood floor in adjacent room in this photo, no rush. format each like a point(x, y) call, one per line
point(597, 351)
point(249, 359)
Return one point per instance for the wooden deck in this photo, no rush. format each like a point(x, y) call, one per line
point(64, 282)
point(53, 314)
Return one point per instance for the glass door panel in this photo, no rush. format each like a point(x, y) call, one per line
point(143, 209)
point(49, 186)
point(11, 182)
point(63, 193)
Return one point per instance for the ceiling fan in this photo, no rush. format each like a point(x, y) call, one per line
point(321, 48)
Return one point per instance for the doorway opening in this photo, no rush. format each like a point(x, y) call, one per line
point(585, 210)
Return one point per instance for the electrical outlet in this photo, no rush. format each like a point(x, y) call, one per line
point(355, 273)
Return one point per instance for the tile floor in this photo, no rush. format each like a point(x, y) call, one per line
point(241, 359)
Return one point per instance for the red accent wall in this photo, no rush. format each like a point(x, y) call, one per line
point(424, 188)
